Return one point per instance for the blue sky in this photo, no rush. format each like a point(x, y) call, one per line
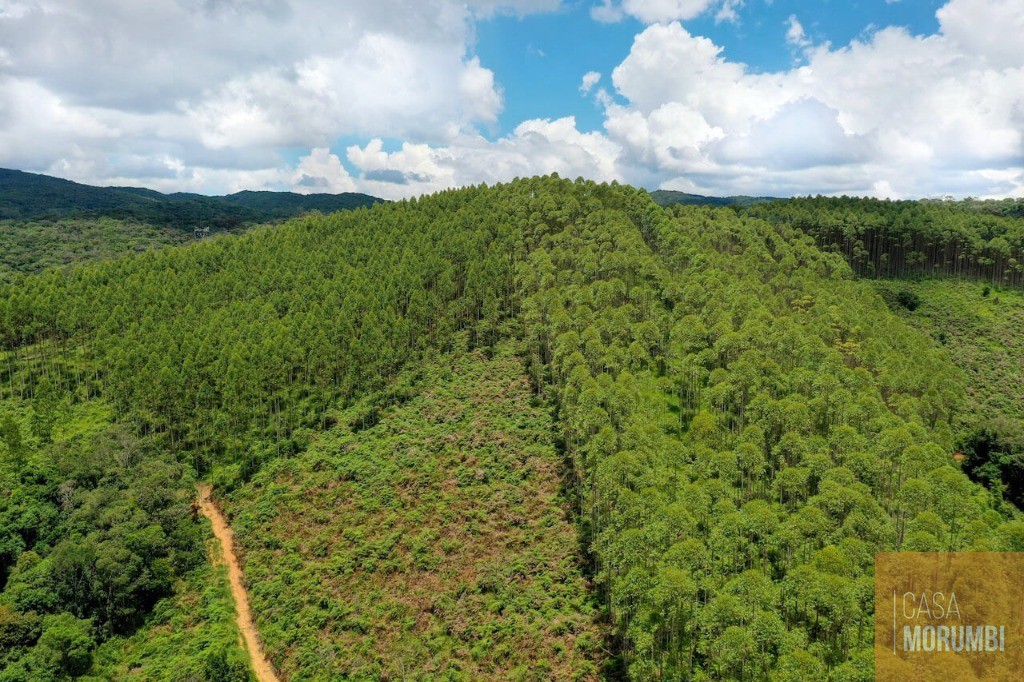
point(898, 98)
point(540, 59)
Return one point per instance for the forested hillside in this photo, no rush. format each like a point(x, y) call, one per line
point(980, 328)
point(30, 247)
point(33, 197)
point(975, 239)
point(47, 222)
point(96, 540)
point(749, 425)
point(742, 422)
point(953, 269)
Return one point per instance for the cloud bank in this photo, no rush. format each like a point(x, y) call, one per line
point(213, 95)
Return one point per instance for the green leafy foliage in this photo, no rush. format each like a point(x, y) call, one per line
point(433, 543)
point(190, 636)
point(982, 240)
point(28, 247)
point(980, 330)
point(908, 299)
point(743, 422)
point(95, 528)
point(748, 426)
point(230, 341)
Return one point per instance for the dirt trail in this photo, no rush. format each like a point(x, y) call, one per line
point(260, 665)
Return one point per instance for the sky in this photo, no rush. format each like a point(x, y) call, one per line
point(397, 98)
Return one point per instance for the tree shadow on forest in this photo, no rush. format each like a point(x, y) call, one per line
point(613, 667)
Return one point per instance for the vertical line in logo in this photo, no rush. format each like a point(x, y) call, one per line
point(894, 622)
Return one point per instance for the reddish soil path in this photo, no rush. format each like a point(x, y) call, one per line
point(260, 665)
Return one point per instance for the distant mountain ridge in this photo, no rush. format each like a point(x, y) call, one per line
point(664, 197)
point(30, 196)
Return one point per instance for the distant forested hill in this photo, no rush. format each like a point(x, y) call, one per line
point(46, 221)
point(289, 204)
point(28, 196)
point(882, 238)
point(664, 197)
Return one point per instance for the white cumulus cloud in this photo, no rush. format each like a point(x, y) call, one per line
point(223, 84)
point(890, 114)
point(322, 172)
point(729, 11)
point(664, 11)
point(590, 79)
point(204, 95)
point(795, 34)
point(535, 147)
point(919, 115)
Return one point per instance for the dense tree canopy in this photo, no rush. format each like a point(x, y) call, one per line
point(745, 422)
point(902, 238)
point(748, 425)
